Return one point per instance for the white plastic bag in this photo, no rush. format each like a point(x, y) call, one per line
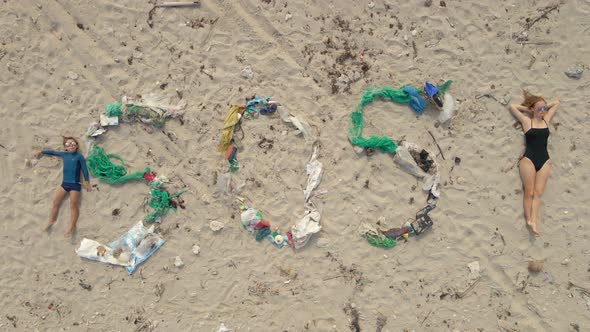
point(303, 127)
point(130, 250)
point(249, 219)
point(304, 229)
point(314, 173)
point(448, 108)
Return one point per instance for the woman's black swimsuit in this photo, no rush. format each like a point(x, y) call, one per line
point(536, 145)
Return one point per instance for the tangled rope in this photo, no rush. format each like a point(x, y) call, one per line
point(405, 95)
point(159, 201)
point(100, 165)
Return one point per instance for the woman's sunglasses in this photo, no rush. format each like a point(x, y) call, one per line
point(68, 144)
point(542, 108)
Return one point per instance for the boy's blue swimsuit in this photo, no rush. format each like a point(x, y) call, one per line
point(73, 163)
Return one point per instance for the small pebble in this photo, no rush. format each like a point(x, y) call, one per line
point(371, 5)
point(196, 249)
point(216, 225)
point(72, 75)
point(575, 72)
point(178, 262)
point(565, 262)
point(247, 73)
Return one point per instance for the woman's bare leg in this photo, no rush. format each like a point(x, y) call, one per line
point(540, 181)
point(527, 175)
point(74, 211)
point(59, 195)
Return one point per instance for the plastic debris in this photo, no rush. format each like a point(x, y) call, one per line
point(95, 130)
point(100, 165)
point(303, 127)
point(252, 219)
point(314, 173)
point(130, 250)
point(405, 158)
point(216, 226)
point(575, 71)
point(448, 108)
point(432, 92)
point(109, 120)
point(401, 96)
point(151, 109)
point(375, 237)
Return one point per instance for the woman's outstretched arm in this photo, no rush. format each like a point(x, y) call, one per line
point(517, 110)
point(552, 109)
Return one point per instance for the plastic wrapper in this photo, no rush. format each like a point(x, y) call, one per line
point(129, 250)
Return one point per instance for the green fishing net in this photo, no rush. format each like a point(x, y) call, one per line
point(100, 165)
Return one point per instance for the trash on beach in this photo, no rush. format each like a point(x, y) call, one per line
point(129, 250)
point(303, 127)
point(448, 108)
point(432, 92)
point(420, 163)
point(152, 109)
point(375, 237)
point(418, 226)
point(575, 71)
point(100, 166)
point(109, 120)
point(95, 130)
point(251, 218)
point(314, 173)
point(423, 221)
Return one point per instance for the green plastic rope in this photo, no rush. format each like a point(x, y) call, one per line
point(383, 143)
point(262, 234)
point(159, 201)
point(134, 112)
point(113, 109)
point(384, 242)
point(100, 165)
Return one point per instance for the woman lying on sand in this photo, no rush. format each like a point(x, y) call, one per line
point(535, 164)
point(73, 163)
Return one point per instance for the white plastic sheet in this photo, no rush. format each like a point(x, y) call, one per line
point(448, 108)
point(404, 159)
point(130, 250)
point(303, 127)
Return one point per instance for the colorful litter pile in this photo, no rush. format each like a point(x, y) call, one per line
point(141, 241)
point(252, 219)
point(409, 156)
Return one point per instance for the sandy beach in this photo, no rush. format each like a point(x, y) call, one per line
point(62, 61)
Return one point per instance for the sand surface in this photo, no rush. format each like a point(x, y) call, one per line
point(62, 61)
